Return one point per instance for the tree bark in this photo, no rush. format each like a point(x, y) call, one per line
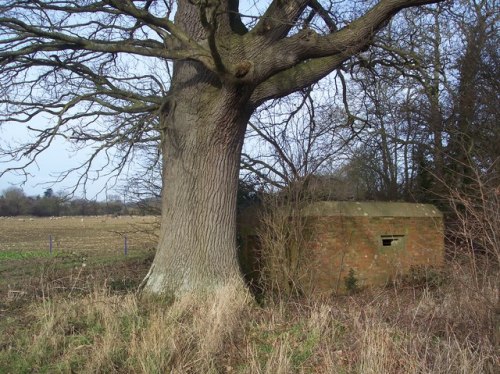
point(203, 131)
point(203, 124)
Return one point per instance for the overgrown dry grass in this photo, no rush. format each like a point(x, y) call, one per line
point(445, 321)
point(285, 263)
point(420, 326)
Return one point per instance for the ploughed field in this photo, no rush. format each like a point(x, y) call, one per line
point(113, 249)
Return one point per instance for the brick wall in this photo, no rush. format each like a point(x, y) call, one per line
point(339, 244)
point(379, 241)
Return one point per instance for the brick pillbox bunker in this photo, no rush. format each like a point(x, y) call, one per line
point(372, 242)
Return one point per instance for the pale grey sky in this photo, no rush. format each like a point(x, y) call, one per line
point(59, 157)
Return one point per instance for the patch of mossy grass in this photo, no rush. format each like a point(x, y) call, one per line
point(351, 282)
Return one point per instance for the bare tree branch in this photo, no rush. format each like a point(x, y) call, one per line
point(279, 19)
point(307, 45)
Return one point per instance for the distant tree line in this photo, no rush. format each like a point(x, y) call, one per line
point(14, 202)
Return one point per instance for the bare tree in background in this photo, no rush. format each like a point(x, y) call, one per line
point(101, 68)
point(291, 139)
point(428, 91)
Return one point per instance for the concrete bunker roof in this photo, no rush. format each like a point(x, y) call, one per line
point(370, 209)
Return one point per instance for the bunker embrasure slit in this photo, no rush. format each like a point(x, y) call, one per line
point(392, 240)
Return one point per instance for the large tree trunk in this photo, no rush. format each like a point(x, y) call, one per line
point(203, 135)
point(203, 126)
